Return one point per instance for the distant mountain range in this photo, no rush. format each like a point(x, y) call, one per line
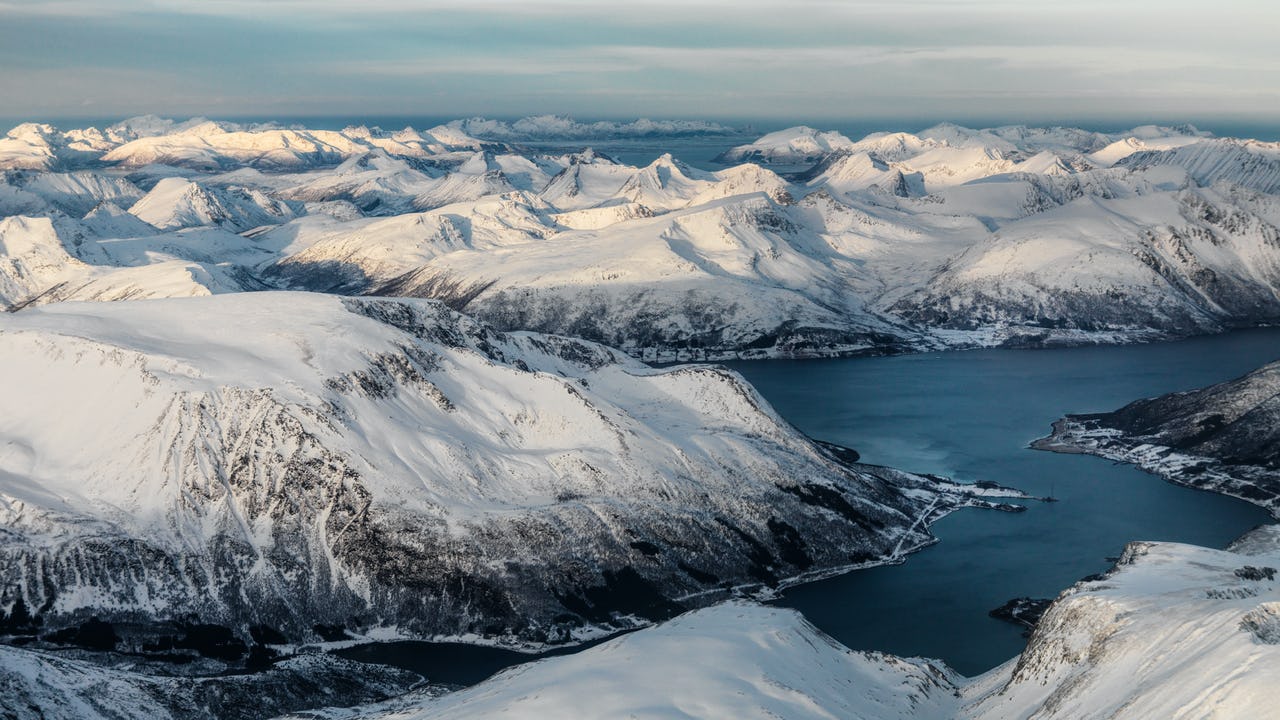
point(952, 237)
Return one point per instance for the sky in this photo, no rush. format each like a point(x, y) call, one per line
point(711, 59)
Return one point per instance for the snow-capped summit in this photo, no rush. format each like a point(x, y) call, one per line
point(109, 220)
point(665, 183)
point(799, 145)
point(853, 171)
point(895, 240)
point(893, 146)
point(178, 203)
point(32, 146)
point(1248, 163)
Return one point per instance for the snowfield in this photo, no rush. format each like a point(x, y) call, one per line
point(810, 244)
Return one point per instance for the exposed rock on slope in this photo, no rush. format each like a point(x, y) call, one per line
point(37, 684)
point(1171, 631)
point(1224, 438)
point(176, 203)
point(294, 460)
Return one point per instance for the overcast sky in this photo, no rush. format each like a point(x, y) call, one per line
point(807, 59)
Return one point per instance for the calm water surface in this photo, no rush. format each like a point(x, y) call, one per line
point(969, 415)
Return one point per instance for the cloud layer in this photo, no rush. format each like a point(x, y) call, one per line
point(815, 59)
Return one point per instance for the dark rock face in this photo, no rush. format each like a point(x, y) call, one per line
point(1249, 572)
point(1022, 611)
point(1224, 438)
point(57, 686)
point(1237, 422)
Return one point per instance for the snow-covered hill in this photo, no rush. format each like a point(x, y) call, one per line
point(176, 203)
point(735, 660)
point(793, 146)
point(1171, 631)
point(297, 460)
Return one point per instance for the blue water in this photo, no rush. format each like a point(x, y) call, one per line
point(969, 415)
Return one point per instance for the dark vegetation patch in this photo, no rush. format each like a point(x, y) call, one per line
point(624, 592)
point(92, 634)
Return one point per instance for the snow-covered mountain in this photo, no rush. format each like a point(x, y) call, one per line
point(204, 145)
point(1247, 163)
point(736, 660)
point(175, 203)
point(1171, 631)
point(300, 461)
point(951, 237)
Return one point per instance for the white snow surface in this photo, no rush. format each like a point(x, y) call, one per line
point(736, 660)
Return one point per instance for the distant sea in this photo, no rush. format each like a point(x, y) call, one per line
point(699, 150)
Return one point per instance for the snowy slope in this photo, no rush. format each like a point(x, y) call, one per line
point(735, 660)
point(1187, 261)
point(32, 258)
point(321, 253)
point(732, 273)
point(75, 193)
point(1171, 631)
point(293, 459)
point(375, 181)
point(176, 203)
point(38, 146)
point(1248, 163)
